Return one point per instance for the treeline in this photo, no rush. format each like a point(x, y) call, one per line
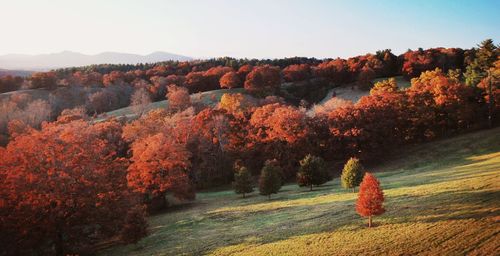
point(62, 186)
point(202, 75)
point(103, 88)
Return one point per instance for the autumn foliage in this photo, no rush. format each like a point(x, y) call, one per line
point(65, 176)
point(64, 196)
point(370, 199)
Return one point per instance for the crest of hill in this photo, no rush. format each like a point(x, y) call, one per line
point(43, 62)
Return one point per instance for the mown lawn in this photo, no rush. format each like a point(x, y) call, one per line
point(442, 198)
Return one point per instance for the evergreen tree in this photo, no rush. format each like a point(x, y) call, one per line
point(352, 174)
point(312, 171)
point(483, 59)
point(242, 181)
point(270, 179)
point(370, 198)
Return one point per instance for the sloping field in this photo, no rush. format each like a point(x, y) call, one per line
point(442, 198)
point(209, 98)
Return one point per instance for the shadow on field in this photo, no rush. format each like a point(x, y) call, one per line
point(445, 206)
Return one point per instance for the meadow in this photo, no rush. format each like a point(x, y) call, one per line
point(442, 198)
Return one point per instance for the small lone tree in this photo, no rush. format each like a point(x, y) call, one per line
point(352, 174)
point(312, 171)
point(370, 198)
point(270, 179)
point(242, 181)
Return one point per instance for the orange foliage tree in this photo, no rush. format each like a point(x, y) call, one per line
point(370, 198)
point(64, 196)
point(263, 80)
point(230, 80)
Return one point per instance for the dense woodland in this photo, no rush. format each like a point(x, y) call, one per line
point(64, 176)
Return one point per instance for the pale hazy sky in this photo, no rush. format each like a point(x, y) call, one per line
point(244, 28)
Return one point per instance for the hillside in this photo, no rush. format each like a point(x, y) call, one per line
point(208, 98)
point(444, 203)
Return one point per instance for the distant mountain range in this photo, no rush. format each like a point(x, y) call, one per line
point(64, 59)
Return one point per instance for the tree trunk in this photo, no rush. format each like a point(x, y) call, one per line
point(243, 194)
point(311, 188)
point(269, 196)
point(353, 190)
point(370, 221)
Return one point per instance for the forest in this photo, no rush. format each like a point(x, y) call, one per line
point(68, 169)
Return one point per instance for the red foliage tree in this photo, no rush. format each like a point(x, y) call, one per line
point(61, 188)
point(178, 98)
point(297, 72)
point(370, 198)
point(244, 70)
point(46, 80)
point(230, 80)
point(160, 165)
point(263, 80)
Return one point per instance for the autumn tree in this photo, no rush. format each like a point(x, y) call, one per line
point(270, 179)
point(388, 85)
point(312, 171)
point(278, 122)
point(243, 181)
point(230, 80)
point(352, 174)
point(62, 188)
point(263, 80)
point(46, 80)
point(237, 103)
point(297, 72)
point(370, 198)
point(159, 165)
point(365, 77)
point(178, 98)
point(244, 70)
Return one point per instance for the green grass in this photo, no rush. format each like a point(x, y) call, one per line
point(442, 198)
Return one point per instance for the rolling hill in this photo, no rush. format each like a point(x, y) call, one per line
point(444, 203)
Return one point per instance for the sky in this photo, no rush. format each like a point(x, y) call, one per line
point(252, 29)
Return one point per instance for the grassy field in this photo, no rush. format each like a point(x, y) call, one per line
point(442, 198)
